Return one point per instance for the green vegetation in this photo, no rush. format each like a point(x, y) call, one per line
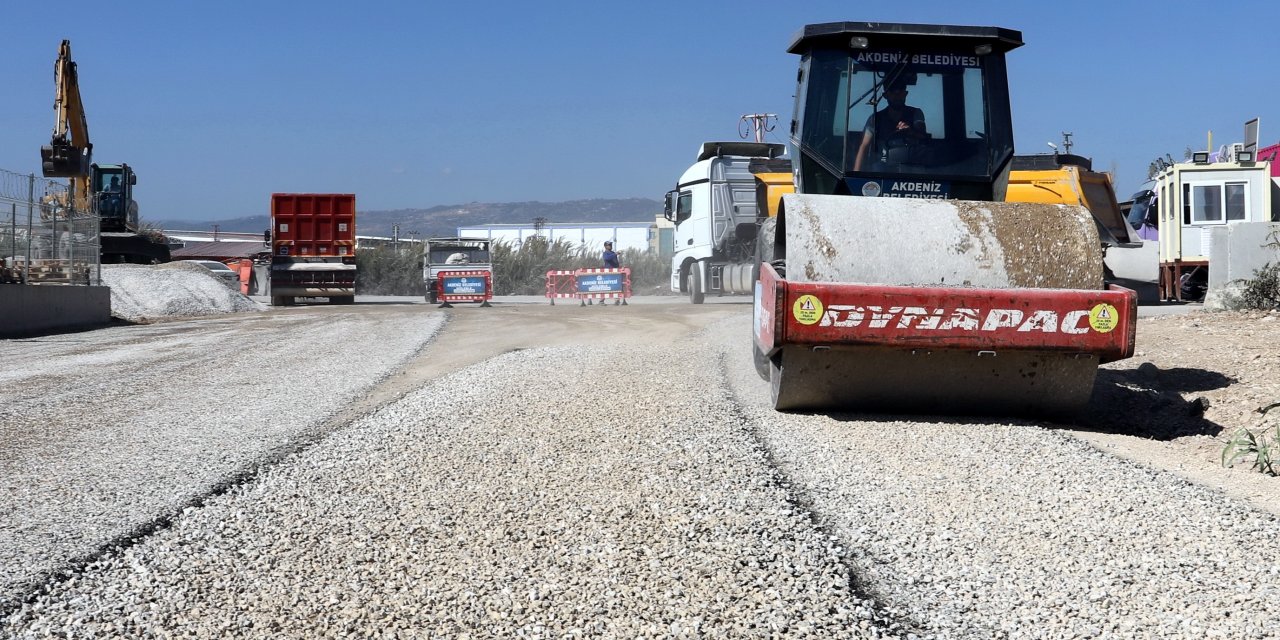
point(1260, 449)
point(518, 269)
point(383, 271)
point(522, 270)
point(1263, 291)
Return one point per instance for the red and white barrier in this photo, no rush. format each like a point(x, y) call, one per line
point(589, 285)
point(587, 293)
point(561, 284)
point(448, 292)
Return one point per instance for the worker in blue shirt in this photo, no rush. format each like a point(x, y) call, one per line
point(609, 258)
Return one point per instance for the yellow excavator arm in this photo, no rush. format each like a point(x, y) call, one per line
point(69, 153)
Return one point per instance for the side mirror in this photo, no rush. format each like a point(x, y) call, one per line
point(266, 237)
point(669, 206)
point(133, 179)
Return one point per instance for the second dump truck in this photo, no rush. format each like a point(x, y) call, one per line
point(313, 242)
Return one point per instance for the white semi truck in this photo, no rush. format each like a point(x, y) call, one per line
point(717, 213)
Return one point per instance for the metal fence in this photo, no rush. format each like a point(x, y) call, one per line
point(44, 238)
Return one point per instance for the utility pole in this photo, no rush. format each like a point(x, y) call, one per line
point(215, 233)
point(395, 237)
point(759, 123)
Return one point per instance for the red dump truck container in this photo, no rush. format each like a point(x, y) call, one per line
point(313, 246)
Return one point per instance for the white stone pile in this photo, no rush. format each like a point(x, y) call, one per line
point(144, 293)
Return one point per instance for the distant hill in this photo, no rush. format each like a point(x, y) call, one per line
point(445, 220)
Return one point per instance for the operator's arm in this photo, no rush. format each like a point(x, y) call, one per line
point(918, 128)
point(868, 132)
point(862, 152)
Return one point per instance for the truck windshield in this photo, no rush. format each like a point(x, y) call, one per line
point(458, 255)
point(903, 112)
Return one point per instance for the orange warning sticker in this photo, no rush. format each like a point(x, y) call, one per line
point(807, 309)
point(1103, 318)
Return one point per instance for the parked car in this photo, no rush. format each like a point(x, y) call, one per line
point(227, 274)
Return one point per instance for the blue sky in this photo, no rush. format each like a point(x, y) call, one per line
point(417, 104)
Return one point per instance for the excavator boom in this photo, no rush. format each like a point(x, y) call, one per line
point(69, 153)
point(97, 191)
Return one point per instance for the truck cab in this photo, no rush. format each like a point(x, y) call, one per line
point(715, 210)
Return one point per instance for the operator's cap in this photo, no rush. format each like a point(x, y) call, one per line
point(608, 243)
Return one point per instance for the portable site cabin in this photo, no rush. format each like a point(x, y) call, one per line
point(1196, 197)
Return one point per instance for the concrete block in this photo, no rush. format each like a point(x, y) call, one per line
point(27, 310)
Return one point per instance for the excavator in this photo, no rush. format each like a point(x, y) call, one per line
point(896, 276)
point(105, 189)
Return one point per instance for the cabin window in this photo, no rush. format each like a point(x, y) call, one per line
point(1236, 201)
point(684, 206)
point(1215, 202)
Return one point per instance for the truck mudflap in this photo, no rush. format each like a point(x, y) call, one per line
point(936, 349)
point(312, 291)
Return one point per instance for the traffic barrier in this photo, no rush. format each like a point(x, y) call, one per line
point(603, 284)
point(464, 286)
point(561, 284)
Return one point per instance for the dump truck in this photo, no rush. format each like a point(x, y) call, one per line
point(313, 241)
point(1064, 178)
point(896, 276)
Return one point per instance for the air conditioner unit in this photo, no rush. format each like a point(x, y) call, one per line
point(1233, 152)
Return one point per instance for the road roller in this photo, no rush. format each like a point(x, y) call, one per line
point(895, 277)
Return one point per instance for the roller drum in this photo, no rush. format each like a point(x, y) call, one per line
point(905, 242)
point(947, 243)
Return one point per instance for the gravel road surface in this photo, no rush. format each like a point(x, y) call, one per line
point(539, 471)
point(105, 434)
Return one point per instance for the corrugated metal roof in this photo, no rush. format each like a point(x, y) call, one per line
point(218, 250)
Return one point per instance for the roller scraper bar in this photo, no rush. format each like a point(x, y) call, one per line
point(1098, 322)
point(937, 349)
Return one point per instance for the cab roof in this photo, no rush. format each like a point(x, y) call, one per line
point(882, 35)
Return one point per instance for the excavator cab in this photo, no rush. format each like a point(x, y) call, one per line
point(112, 186)
point(902, 110)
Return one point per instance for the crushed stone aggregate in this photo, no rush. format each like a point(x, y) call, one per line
point(624, 491)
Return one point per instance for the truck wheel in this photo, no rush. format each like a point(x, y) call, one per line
point(431, 295)
point(277, 301)
point(696, 294)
